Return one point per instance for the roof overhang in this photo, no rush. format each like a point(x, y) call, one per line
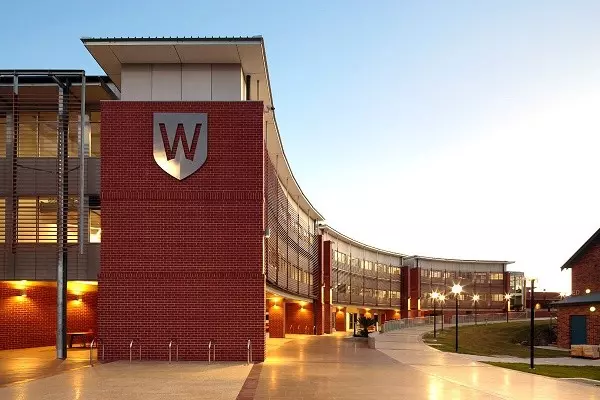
point(459, 261)
point(578, 300)
point(575, 257)
point(249, 52)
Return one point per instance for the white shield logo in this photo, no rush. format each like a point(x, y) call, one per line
point(180, 142)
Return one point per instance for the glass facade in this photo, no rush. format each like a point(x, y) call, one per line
point(363, 277)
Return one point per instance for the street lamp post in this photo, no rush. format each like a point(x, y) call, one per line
point(507, 298)
point(442, 299)
point(434, 296)
point(475, 301)
point(456, 289)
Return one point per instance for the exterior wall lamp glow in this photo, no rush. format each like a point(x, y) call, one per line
point(592, 308)
point(267, 233)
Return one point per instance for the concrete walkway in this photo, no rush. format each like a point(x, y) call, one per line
point(447, 369)
point(140, 380)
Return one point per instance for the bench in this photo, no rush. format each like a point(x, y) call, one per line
point(72, 335)
point(585, 351)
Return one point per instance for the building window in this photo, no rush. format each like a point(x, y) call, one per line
point(2, 220)
point(37, 219)
point(38, 135)
point(424, 273)
point(497, 297)
point(436, 274)
point(480, 277)
point(95, 226)
point(496, 276)
point(94, 139)
point(368, 265)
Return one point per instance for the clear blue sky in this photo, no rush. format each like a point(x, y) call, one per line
point(447, 128)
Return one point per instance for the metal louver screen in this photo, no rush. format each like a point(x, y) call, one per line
point(40, 131)
point(292, 249)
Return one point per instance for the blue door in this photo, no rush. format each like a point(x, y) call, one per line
point(578, 329)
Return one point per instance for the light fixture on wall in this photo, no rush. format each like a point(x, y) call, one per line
point(23, 293)
point(587, 291)
point(267, 233)
point(592, 308)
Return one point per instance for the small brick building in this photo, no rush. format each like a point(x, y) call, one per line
point(579, 314)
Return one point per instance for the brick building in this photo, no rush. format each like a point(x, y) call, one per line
point(162, 194)
point(578, 314)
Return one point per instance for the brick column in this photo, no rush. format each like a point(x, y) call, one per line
point(326, 263)
point(318, 303)
point(340, 320)
point(276, 318)
point(404, 291)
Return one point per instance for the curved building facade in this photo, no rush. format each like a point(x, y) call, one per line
point(173, 213)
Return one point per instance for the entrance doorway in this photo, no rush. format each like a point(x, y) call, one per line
point(578, 329)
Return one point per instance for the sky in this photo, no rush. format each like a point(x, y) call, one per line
point(463, 129)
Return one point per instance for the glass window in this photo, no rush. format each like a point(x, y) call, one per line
point(37, 219)
point(95, 226)
point(497, 297)
point(27, 135)
point(47, 134)
point(496, 277)
point(94, 134)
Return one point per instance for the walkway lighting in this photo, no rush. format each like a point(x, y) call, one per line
point(456, 289)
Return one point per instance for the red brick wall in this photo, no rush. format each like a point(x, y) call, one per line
point(564, 327)
point(31, 321)
point(326, 246)
point(585, 273)
point(182, 259)
point(299, 320)
point(276, 318)
point(340, 320)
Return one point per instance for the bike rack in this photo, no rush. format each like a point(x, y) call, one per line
point(249, 352)
point(97, 342)
point(176, 350)
point(131, 349)
point(214, 351)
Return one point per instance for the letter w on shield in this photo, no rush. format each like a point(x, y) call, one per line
point(189, 151)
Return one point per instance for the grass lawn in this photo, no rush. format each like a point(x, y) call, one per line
point(502, 339)
point(555, 371)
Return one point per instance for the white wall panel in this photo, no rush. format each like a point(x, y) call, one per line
point(226, 82)
point(166, 82)
point(136, 82)
point(196, 82)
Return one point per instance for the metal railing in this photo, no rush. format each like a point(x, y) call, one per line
point(96, 341)
point(131, 350)
point(170, 349)
point(249, 352)
point(397, 324)
point(214, 351)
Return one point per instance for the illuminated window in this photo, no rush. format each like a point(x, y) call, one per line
point(497, 297)
point(496, 277)
point(95, 230)
point(38, 134)
point(2, 220)
point(436, 274)
point(37, 220)
point(27, 135)
point(47, 125)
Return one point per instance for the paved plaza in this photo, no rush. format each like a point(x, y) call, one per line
point(300, 367)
